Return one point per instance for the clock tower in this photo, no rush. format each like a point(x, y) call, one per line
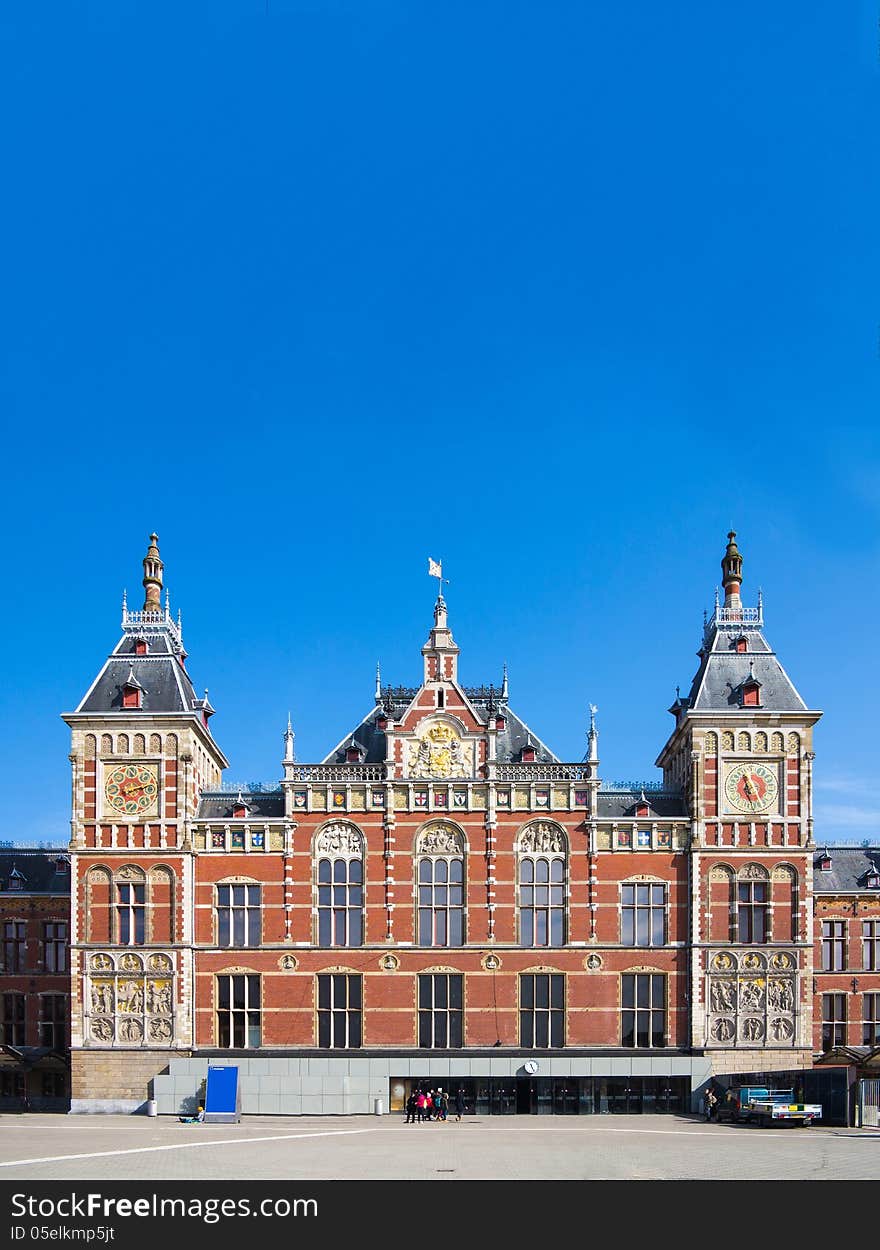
point(141, 754)
point(742, 750)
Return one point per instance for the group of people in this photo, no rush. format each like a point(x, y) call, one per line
point(422, 1106)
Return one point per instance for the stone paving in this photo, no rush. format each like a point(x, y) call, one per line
point(45, 1147)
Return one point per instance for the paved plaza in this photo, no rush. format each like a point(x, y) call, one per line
point(44, 1147)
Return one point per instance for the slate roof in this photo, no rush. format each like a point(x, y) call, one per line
point(166, 685)
point(508, 743)
point(261, 805)
point(662, 804)
point(723, 670)
point(37, 869)
point(849, 867)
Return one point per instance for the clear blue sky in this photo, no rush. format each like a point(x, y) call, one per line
point(556, 292)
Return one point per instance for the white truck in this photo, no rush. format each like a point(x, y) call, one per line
point(756, 1104)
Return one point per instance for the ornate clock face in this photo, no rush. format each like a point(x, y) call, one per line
point(132, 789)
point(751, 787)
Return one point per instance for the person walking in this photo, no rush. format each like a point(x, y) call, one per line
point(411, 1109)
point(420, 1106)
point(441, 1105)
point(429, 1104)
point(459, 1104)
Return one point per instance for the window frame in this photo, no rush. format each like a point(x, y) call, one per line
point(339, 1020)
point(532, 910)
point(871, 1018)
point(749, 909)
point(448, 1016)
point(658, 987)
point(870, 945)
point(651, 908)
point(833, 1025)
point(553, 1015)
point(251, 915)
point(833, 945)
point(332, 912)
point(52, 1023)
point(14, 947)
point(54, 946)
point(238, 1016)
point(448, 910)
point(14, 1021)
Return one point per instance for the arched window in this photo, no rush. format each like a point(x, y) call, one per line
point(440, 868)
point(542, 854)
point(339, 851)
point(753, 904)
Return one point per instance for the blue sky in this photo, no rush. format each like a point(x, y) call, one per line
point(554, 292)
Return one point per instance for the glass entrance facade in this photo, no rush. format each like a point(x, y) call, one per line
point(561, 1095)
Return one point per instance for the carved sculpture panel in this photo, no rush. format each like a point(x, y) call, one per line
point(542, 837)
point(751, 1000)
point(439, 840)
point(126, 1004)
point(439, 751)
point(339, 839)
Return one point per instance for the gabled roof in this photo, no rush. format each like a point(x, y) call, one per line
point(849, 867)
point(165, 683)
point(509, 741)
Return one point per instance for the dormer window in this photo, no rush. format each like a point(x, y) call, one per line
point(641, 809)
point(825, 862)
point(239, 808)
point(528, 754)
point(741, 645)
point(60, 866)
point(16, 880)
point(140, 646)
point(132, 691)
point(353, 752)
point(751, 695)
point(500, 723)
point(872, 881)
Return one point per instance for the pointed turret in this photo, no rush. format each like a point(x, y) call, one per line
point(440, 651)
point(593, 737)
point(731, 569)
point(289, 736)
point(153, 567)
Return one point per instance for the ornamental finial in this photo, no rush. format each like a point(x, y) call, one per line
point(153, 567)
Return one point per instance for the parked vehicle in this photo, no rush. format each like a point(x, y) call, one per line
point(756, 1104)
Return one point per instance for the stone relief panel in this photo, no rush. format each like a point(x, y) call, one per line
point(542, 836)
point(751, 999)
point(340, 839)
point(439, 840)
point(129, 999)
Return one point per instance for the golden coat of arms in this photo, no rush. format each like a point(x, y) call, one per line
point(440, 752)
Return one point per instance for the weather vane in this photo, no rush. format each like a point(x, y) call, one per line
point(435, 569)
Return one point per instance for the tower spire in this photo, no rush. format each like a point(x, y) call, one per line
point(378, 683)
point(153, 567)
point(288, 742)
point(593, 737)
point(731, 569)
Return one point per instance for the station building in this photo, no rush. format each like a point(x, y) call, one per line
point(441, 900)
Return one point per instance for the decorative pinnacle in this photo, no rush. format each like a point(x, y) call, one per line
point(504, 694)
point(731, 568)
point(153, 567)
point(288, 742)
point(378, 695)
point(593, 737)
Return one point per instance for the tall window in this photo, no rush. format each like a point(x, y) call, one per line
point(833, 945)
point(541, 1009)
point(441, 899)
point(440, 1010)
point(643, 1003)
point(53, 1021)
point(871, 1019)
point(130, 913)
point(871, 945)
point(541, 901)
point(14, 946)
point(55, 946)
point(340, 902)
point(238, 1011)
point(643, 915)
point(238, 915)
point(13, 1020)
point(751, 912)
point(340, 1006)
point(833, 1020)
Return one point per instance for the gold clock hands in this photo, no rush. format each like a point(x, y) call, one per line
point(748, 788)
